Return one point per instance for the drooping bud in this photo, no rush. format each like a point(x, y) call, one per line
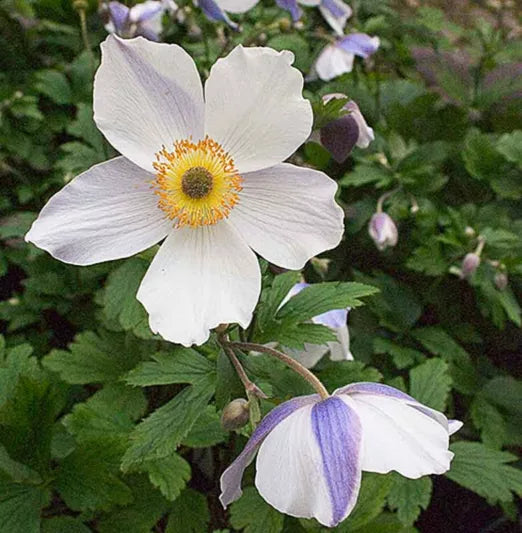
point(470, 264)
point(501, 280)
point(383, 231)
point(341, 135)
point(235, 415)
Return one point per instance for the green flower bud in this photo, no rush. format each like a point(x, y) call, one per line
point(235, 415)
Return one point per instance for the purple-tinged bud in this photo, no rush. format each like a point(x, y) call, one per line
point(470, 264)
point(383, 231)
point(341, 135)
point(501, 280)
point(235, 415)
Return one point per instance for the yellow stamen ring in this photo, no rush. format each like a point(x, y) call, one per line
point(197, 183)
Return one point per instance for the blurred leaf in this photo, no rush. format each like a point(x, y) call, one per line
point(409, 497)
point(251, 514)
point(20, 508)
point(189, 513)
point(64, 524)
point(430, 383)
point(54, 85)
point(510, 146)
point(403, 357)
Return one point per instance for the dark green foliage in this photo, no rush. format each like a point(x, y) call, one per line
point(105, 427)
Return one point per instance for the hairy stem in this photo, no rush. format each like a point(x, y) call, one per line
point(287, 360)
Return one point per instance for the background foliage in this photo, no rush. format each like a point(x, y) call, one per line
point(104, 427)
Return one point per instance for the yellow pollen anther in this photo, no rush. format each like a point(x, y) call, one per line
point(197, 183)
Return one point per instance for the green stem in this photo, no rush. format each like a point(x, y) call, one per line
point(287, 360)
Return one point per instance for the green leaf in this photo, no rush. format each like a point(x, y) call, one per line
point(409, 497)
point(430, 383)
point(326, 112)
point(296, 335)
point(364, 174)
point(162, 431)
point(251, 514)
point(92, 359)
point(403, 357)
point(206, 431)
point(182, 365)
point(336, 374)
point(64, 524)
point(485, 471)
point(20, 508)
point(119, 297)
point(18, 472)
point(319, 298)
point(510, 146)
point(189, 513)
point(371, 501)
point(54, 85)
point(88, 479)
point(489, 421)
point(169, 474)
point(481, 158)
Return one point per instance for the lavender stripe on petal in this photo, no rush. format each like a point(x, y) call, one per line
point(231, 478)
point(118, 14)
point(333, 7)
point(214, 12)
point(292, 7)
point(359, 44)
point(337, 430)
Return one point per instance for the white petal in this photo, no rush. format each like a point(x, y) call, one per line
point(332, 62)
point(337, 15)
point(255, 107)
point(312, 471)
point(236, 6)
point(340, 351)
point(288, 214)
point(108, 212)
point(200, 278)
point(309, 2)
point(397, 436)
point(146, 95)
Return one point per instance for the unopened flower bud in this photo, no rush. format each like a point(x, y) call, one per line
point(501, 280)
point(235, 415)
point(341, 135)
point(470, 264)
point(383, 231)
point(284, 24)
point(469, 232)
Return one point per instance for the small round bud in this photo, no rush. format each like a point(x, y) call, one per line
point(470, 264)
point(469, 232)
point(383, 231)
point(501, 280)
point(80, 5)
point(284, 24)
point(235, 415)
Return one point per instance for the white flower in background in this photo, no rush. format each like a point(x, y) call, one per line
point(143, 19)
point(336, 320)
point(341, 135)
point(217, 9)
point(335, 12)
point(205, 173)
point(383, 231)
point(337, 58)
point(311, 452)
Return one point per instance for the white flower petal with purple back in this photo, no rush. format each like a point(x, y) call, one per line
point(336, 13)
point(146, 95)
point(360, 44)
point(106, 213)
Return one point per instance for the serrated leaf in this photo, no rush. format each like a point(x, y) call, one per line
point(169, 474)
point(119, 297)
point(92, 359)
point(88, 477)
point(20, 508)
point(489, 421)
point(251, 514)
point(364, 174)
point(409, 497)
point(402, 356)
point(17, 472)
point(296, 335)
point(485, 471)
point(319, 298)
point(162, 431)
point(207, 430)
point(182, 365)
point(430, 383)
point(326, 112)
point(54, 85)
point(189, 513)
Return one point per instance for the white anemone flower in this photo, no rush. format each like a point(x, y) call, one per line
point(336, 320)
point(202, 170)
point(311, 452)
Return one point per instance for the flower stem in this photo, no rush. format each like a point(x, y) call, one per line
point(250, 387)
point(287, 360)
